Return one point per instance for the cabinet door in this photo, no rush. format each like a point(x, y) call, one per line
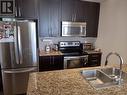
point(92, 18)
point(49, 18)
point(68, 10)
point(45, 63)
point(81, 11)
point(94, 60)
point(1, 85)
point(27, 8)
point(44, 18)
point(48, 63)
point(74, 10)
point(58, 62)
point(54, 17)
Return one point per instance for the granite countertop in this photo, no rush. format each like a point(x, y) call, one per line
point(68, 82)
point(51, 53)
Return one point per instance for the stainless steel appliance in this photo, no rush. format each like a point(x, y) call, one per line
point(88, 47)
point(74, 57)
point(75, 61)
point(18, 55)
point(73, 28)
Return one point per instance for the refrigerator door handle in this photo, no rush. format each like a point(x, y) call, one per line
point(20, 46)
point(20, 71)
point(16, 45)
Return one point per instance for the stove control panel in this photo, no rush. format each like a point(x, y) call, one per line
point(69, 43)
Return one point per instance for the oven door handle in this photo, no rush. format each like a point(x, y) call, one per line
point(75, 57)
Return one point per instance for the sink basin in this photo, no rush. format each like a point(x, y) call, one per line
point(111, 72)
point(105, 77)
point(97, 78)
point(114, 73)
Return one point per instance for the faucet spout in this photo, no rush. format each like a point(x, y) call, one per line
point(121, 62)
point(114, 53)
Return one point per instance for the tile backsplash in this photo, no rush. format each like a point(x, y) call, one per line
point(54, 40)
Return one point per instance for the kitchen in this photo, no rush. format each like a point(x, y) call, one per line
point(110, 21)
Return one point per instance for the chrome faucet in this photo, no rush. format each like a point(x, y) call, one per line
point(121, 62)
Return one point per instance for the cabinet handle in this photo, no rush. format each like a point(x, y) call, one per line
point(51, 32)
point(75, 17)
point(94, 60)
point(72, 17)
point(50, 60)
point(53, 60)
point(16, 12)
point(48, 32)
point(19, 12)
point(95, 56)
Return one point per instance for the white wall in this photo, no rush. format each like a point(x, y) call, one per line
point(113, 29)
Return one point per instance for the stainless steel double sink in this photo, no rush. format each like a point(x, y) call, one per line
point(104, 77)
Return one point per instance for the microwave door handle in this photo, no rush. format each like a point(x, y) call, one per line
point(81, 30)
point(85, 30)
point(20, 45)
point(16, 45)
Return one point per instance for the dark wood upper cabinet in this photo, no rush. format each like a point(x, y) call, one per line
point(49, 18)
point(92, 20)
point(82, 11)
point(52, 12)
point(26, 8)
point(73, 10)
point(68, 11)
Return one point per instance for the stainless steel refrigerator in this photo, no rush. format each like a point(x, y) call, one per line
point(18, 54)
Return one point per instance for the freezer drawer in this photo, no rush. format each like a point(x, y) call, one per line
point(15, 81)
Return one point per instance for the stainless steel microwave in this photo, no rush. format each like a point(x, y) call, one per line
point(73, 28)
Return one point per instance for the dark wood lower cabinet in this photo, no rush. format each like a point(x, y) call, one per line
point(47, 63)
point(1, 85)
point(94, 59)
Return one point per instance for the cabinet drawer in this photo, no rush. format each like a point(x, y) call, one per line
point(95, 55)
point(94, 60)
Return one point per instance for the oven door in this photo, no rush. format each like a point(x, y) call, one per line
point(75, 61)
